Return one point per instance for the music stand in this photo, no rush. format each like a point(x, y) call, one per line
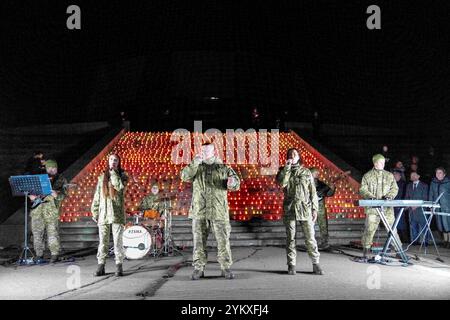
point(24, 186)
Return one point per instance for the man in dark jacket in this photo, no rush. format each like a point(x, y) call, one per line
point(417, 190)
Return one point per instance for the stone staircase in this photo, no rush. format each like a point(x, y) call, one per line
point(84, 233)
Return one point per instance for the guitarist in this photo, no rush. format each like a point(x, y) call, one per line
point(323, 190)
point(45, 216)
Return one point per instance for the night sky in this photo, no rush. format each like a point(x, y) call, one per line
point(161, 61)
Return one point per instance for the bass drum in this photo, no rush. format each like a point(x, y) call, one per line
point(137, 242)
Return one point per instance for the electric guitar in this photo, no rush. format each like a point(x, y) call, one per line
point(340, 176)
point(41, 198)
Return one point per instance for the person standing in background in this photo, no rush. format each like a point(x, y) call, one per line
point(417, 190)
point(441, 184)
point(402, 227)
point(323, 191)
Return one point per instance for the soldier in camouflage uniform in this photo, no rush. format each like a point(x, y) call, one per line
point(323, 191)
point(377, 184)
point(211, 180)
point(152, 201)
point(45, 217)
point(300, 204)
point(108, 212)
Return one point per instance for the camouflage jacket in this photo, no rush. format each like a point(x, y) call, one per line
point(107, 210)
point(378, 184)
point(209, 189)
point(300, 195)
point(50, 207)
point(151, 202)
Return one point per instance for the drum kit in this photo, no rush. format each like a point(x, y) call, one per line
point(150, 234)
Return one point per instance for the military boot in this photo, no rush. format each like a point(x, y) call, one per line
point(100, 270)
point(365, 253)
point(291, 270)
point(227, 274)
point(364, 258)
point(317, 269)
point(119, 270)
point(197, 274)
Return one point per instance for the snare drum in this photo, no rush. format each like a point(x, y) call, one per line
point(151, 214)
point(137, 242)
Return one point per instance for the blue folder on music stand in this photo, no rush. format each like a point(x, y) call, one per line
point(37, 185)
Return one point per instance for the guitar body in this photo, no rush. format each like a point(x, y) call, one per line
point(38, 201)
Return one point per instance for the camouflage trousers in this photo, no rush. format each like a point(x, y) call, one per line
point(310, 241)
point(371, 226)
point(200, 231)
point(323, 222)
point(40, 225)
point(104, 231)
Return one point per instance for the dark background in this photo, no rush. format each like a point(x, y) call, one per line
point(161, 61)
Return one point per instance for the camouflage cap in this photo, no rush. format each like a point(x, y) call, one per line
point(377, 157)
point(51, 164)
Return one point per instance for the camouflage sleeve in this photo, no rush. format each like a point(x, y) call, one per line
point(62, 190)
point(283, 175)
point(393, 188)
point(116, 181)
point(149, 203)
point(237, 182)
point(96, 201)
point(158, 206)
point(188, 173)
point(364, 189)
point(313, 193)
point(144, 204)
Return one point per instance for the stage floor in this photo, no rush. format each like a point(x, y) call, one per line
point(260, 274)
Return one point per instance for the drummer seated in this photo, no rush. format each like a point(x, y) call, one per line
point(151, 201)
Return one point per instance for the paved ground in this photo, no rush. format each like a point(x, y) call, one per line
point(260, 274)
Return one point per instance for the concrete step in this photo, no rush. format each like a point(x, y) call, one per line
point(80, 231)
point(84, 233)
point(260, 242)
point(234, 229)
point(75, 245)
point(270, 229)
point(69, 246)
point(233, 236)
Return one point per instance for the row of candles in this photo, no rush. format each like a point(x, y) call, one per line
point(146, 158)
